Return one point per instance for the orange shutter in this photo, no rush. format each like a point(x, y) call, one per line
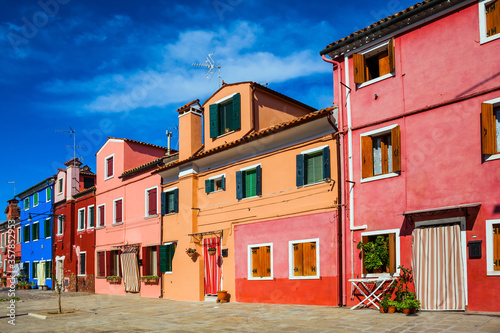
point(396, 149)
point(309, 259)
point(384, 63)
point(392, 59)
point(255, 262)
point(385, 155)
point(492, 18)
point(364, 240)
point(488, 129)
point(359, 68)
point(298, 269)
point(366, 157)
point(392, 253)
point(496, 247)
point(265, 261)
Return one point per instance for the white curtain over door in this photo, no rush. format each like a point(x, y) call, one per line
point(130, 269)
point(438, 268)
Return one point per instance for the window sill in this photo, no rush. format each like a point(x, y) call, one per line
point(255, 196)
point(59, 234)
point(215, 191)
point(261, 279)
point(485, 40)
point(220, 136)
point(493, 273)
point(379, 177)
point(150, 216)
point(374, 275)
point(117, 223)
point(98, 228)
point(378, 79)
point(170, 214)
point(82, 275)
point(106, 178)
point(492, 157)
point(316, 183)
point(78, 230)
point(304, 277)
point(90, 228)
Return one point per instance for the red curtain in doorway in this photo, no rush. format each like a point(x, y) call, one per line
point(213, 266)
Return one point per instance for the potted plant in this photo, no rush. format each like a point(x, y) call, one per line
point(150, 278)
point(410, 306)
point(113, 279)
point(391, 306)
point(376, 254)
point(221, 296)
point(384, 303)
point(33, 285)
point(191, 252)
point(212, 250)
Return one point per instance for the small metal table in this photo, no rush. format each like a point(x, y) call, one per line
point(364, 289)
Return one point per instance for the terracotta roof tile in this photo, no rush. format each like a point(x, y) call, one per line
point(85, 191)
point(188, 105)
point(141, 143)
point(142, 167)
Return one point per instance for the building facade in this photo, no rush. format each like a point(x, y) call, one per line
point(419, 98)
point(10, 240)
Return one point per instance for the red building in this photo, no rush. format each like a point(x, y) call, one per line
point(419, 97)
point(74, 227)
point(10, 234)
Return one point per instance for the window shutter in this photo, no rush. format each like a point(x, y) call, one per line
point(309, 261)
point(109, 267)
point(488, 133)
point(326, 163)
point(396, 149)
point(492, 18)
point(239, 185)
point(392, 59)
point(171, 254)
point(46, 228)
point(366, 156)
point(146, 261)
point(176, 200)
point(207, 186)
point(109, 162)
point(33, 270)
point(163, 258)
point(298, 256)
point(102, 264)
point(359, 68)
point(223, 183)
point(300, 170)
point(256, 262)
point(49, 194)
point(258, 183)
point(214, 120)
point(48, 269)
point(33, 228)
point(236, 112)
point(164, 203)
point(364, 239)
point(265, 261)
point(152, 202)
point(101, 216)
point(496, 247)
point(392, 253)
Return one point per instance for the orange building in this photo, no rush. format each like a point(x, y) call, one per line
point(257, 182)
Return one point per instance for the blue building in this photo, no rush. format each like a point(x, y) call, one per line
point(36, 228)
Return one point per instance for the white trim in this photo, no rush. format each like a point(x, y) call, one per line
point(80, 264)
point(375, 80)
point(114, 211)
point(217, 177)
point(490, 271)
point(98, 217)
point(378, 177)
point(60, 180)
point(60, 218)
point(18, 234)
point(24, 203)
point(225, 99)
point(109, 140)
point(46, 261)
point(170, 189)
point(291, 260)
point(251, 167)
point(482, 23)
point(78, 220)
point(369, 52)
point(106, 166)
point(383, 130)
point(313, 150)
point(88, 217)
point(188, 171)
point(374, 48)
point(249, 262)
point(172, 264)
point(191, 111)
point(493, 101)
point(146, 201)
point(492, 157)
point(398, 248)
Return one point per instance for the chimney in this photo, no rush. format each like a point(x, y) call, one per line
point(72, 178)
point(190, 123)
point(12, 210)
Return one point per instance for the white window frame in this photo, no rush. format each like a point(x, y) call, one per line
point(312, 151)
point(114, 211)
point(78, 227)
point(375, 49)
point(215, 178)
point(489, 248)
point(32, 271)
point(106, 167)
point(222, 101)
point(37, 199)
point(18, 231)
point(98, 217)
point(146, 201)
point(60, 181)
point(31, 231)
point(249, 168)
point(291, 260)
point(377, 132)
point(496, 103)
point(2, 241)
point(249, 263)
point(482, 23)
point(398, 249)
point(26, 207)
point(170, 190)
point(88, 217)
point(46, 194)
point(80, 264)
point(169, 272)
point(60, 223)
point(46, 261)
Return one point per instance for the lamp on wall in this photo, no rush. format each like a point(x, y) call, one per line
point(30, 219)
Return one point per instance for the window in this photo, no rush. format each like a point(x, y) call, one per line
point(109, 167)
point(260, 262)
point(225, 115)
point(249, 182)
point(215, 184)
point(117, 211)
point(48, 269)
point(88, 182)
point(377, 62)
point(381, 152)
point(82, 265)
point(113, 263)
point(2, 241)
point(151, 201)
point(167, 252)
point(26, 269)
point(493, 247)
point(170, 202)
point(35, 231)
point(380, 240)
point(150, 260)
point(26, 233)
point(490, 126)
point(304, 259)
point(60, 186)
point(48, 194)
point(101, 264)
point(35, 199)
point(101, 216)
point(81, 219)
point(489, 20)
point(27, 203)
point(313, 166)
point(90, 217)
point(18, 235)
point(60, 224)
point(47, 232)
point(34, 269)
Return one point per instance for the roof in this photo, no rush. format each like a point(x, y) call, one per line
point(144, 166)
point(74, 161)
point(85, 191)
point(188, 106)
point(253, 136)
point(139, 142)
point(266, 89)
point(410, 12)
point(442, 209)
point(32, 188)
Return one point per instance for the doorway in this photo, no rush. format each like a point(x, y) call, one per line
point(213, 265)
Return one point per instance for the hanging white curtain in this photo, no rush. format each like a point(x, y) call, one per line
point(40, 273)
point(438, 268)
point(130, 269)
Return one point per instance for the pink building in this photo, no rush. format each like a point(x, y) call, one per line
point(128, 220)
point(420, 119)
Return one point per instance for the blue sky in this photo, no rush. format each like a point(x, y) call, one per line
point(122, 68)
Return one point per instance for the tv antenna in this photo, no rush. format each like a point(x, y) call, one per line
point(71, 132)
point(211, 66)
point(13, 182)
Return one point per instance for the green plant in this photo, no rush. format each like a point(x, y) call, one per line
point(190, 250)
point(149, 277)
point(410, 304)
point(376, 253)
point(392, 303)
point(212, 248)
point(113, 278)
point(402, 284)
point(384, 303)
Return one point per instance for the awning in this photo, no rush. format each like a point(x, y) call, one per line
point(199, 235)
point(130, 249)
point(440, 211)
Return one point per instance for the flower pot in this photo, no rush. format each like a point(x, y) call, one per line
point(382, 310)
point(212, 253)
point(191, 254)
point(221, 295)
point(409, 311)
point(391, 309)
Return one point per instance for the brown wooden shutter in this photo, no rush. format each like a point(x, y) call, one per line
point(152, 202)
point(392, 59)
point(256, 262)
point(118, 211)
point(145, 261)
point(109, 267)
point(392, 253)
point(359, 68)
point(102, 264)
point(492, 18)
point(101, 216)
point(265, 259)
point(396, 149)
point(496, 247)
point(366, 156)
point(298, 254)
point(488, 133)
point(383, 63)
point(119, 261)
point(364, 240)
point(309, 259)
point(109, 162)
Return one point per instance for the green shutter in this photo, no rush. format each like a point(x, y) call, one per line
point(33, 230)
point(313, 168)
point(250, 183)
point(35, 199)
point(223, 183)
point(300, 170)
point(209, 186)
point(236, 112)
point(176, 200)
point(26, 233)
point(326, 163)
point(164, 203)
point(239, 185)
point(163, 253)
point(46, 228)
point(48, 269)
point(33, 270)
point(214, 120)
point(49, 194)
point(258, 180)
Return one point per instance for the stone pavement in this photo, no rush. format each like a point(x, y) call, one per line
point(107, 313)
